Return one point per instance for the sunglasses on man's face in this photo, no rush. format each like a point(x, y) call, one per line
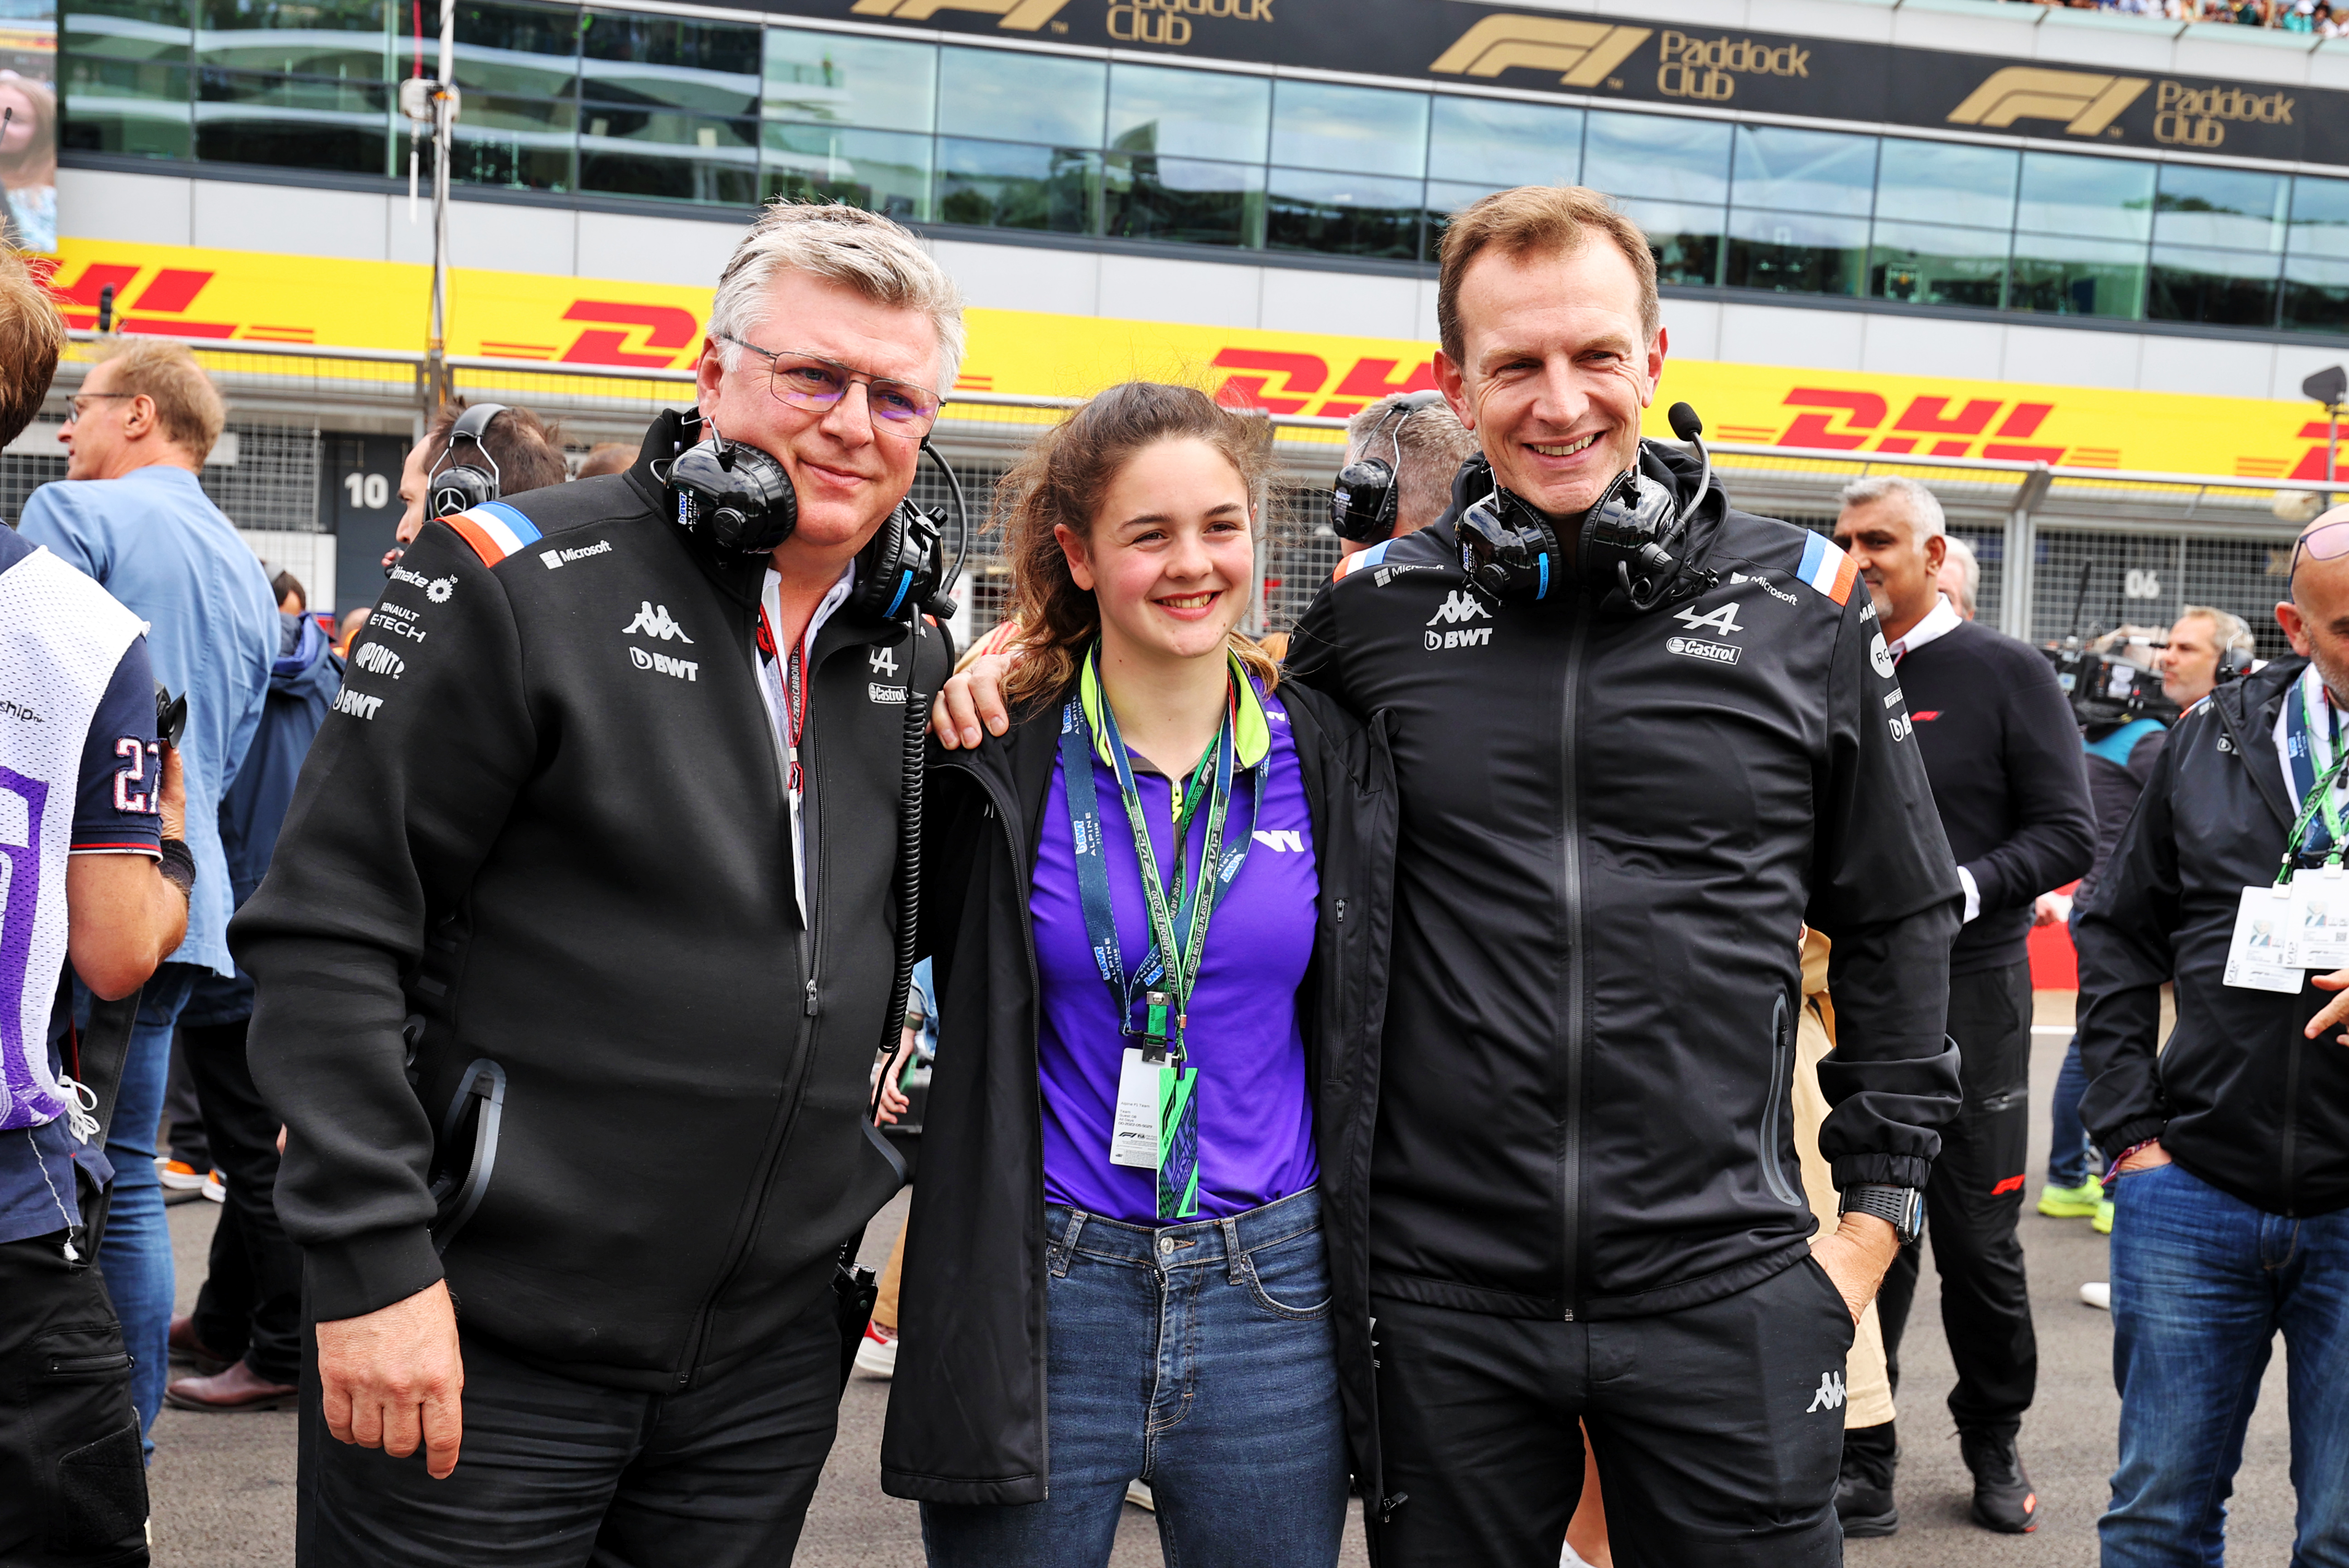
point(2329, 543)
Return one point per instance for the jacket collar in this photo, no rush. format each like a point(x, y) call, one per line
point(2246, 709)
point(1255, 735)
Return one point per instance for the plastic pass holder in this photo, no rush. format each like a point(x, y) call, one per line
point(2320, 929)
point(1133, 1138)
point(2260, 956)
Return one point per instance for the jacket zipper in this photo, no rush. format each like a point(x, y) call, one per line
point(1571, 890)
point(2292, 1060)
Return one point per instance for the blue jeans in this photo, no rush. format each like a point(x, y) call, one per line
point(2202, 1284)
point(137, 1257)
point(1199, 1358)
point(2067, 1151)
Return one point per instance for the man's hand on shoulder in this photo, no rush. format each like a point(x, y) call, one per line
point(1856, 1255)
point(970, 698)
point(394, 1378)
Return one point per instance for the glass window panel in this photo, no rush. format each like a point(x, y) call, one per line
point(840, 79)
point(2236, 208)
point(1946, 182)
point(2070, 277)
point(345, 39)
point(1444, 199)
point(1804, 170)
point(147, 124)
point(667, 174)
point(128, 30)
point(1503, 143)
point(2320, 217)
point(2103, 198)
point(533, 50)
point(669, 62)
point(1202, 203)
point(1686, 240)
point(1655, 158)
point(519, 143)
point(1188, 114)
point(1342, 215)
point(1367, 130)
point(1022, 98)
point(883, 172)
point(2316, 294)
point(2224, 287)
point(293, 122)
point(1003, 185)
point(1933, 264)
point(1796, 253)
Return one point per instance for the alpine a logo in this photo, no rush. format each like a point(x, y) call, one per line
point(681, 668)
point(1720, 621)
point(376, 657)
point(1698, 648)
point(653, 621)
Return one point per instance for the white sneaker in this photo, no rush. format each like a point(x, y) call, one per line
point(215, 1188)
point(877, 1354)
point(2098, 1293)
point(1137, 1492)
point(1573, 1559)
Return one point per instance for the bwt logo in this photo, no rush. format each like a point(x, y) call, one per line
point(1478, 637)
point(2086, 101)
point(1583, 52)
point(376, 657)
point(682, 669)
point(1019, 15)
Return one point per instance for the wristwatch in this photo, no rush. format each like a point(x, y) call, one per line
point(1902, 1208)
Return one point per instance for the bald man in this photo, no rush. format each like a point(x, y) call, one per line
point(2229, 1145)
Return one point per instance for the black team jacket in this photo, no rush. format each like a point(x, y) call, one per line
point(2237, 1095)
point(1615, 827)
point(545, 827)
point(968, 1422)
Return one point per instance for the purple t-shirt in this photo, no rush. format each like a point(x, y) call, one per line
point(1256, 1119)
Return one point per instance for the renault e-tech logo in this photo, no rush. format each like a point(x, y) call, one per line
point(1584, 52)
point(2086, 101)
point(1019, 15)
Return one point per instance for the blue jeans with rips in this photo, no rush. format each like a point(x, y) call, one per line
point(2203, 1282)
point(1199, 1357)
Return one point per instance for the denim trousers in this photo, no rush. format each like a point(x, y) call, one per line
point(2203, 1282)
point(137, 1256)
point(1198, 1357)
point(2067, 1149)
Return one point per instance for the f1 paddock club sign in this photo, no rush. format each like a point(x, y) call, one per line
point(1641, 61)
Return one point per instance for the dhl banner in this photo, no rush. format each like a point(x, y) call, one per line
point(223, 298)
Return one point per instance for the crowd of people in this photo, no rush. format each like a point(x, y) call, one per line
point(2313, 16)
point(1305, 1115)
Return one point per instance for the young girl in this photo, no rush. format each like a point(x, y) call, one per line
point(1158, 909)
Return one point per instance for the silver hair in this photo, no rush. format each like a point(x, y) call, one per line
point(1969, 572)
point(2228, 629)
point(863, 251)
point(1924, 508)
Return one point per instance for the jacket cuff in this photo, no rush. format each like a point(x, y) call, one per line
point(1882, 1170)
point(2131, 1133)
point(360, 1274)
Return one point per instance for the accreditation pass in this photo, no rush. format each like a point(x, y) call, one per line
point(1134, 1136)
point(2259, 957)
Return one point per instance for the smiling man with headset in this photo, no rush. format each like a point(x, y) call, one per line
point(574, 959)
point(1642, 740)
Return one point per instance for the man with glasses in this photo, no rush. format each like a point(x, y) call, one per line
point(576, 951)
point(132, 515)
point(2230, 1142)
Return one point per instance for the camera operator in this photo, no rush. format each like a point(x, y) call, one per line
point(1568, 1214)
point(2228, 1143)
point(576, 955)
point(2003, 754)
point(90, 808)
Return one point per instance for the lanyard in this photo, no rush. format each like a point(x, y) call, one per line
point(789, 691)
point(1182, 932)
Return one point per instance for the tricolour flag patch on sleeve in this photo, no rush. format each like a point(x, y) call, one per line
point(1362, 558)
point(495, 530)
point(1826, 569)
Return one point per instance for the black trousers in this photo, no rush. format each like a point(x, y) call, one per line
point(1718, 1430)
point(554, 1472)
point(73, 1484)
point(251, 1305)
point(1970, 1208)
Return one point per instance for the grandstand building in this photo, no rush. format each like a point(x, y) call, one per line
point(2070, 266)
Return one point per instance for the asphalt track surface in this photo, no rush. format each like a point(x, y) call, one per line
point(224, 1485)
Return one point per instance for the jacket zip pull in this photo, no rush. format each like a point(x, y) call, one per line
point(1341, 909)
point(810, 1008)
point(1388, 1505)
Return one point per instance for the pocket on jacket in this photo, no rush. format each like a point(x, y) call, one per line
point(1776, 1095)
point(1291, 1277)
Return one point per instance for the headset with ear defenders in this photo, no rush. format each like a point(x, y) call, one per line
point(461, 486)
point(1364, 501)
point(2234, 663)
point(1510, 550)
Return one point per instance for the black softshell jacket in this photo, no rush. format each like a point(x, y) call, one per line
point(1615, 827)
point(546, 828)
point(2238, 1096)
point(966, 1411)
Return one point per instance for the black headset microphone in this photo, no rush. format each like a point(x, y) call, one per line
point(1626, 539)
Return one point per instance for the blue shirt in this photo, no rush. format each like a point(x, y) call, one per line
point(156, 542)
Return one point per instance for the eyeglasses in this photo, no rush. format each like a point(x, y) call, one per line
point(806, 381)
point(78, 398)
point(2329, 543)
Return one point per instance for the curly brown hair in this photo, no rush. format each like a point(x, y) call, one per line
point(1061, 481)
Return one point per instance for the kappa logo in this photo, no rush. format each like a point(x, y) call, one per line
point(1283, 840)
point(681, 668)
point(1583, 52)
point(653, 621)
point(2086, 101)
point(357, 707)
point(1458, 605)
point(1828, 1396)
point(554, 559)
point(1019, 15)
point(884, 661)
point(381, 660)
point(1720, 621)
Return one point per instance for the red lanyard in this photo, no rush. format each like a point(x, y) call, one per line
point(790, 691)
